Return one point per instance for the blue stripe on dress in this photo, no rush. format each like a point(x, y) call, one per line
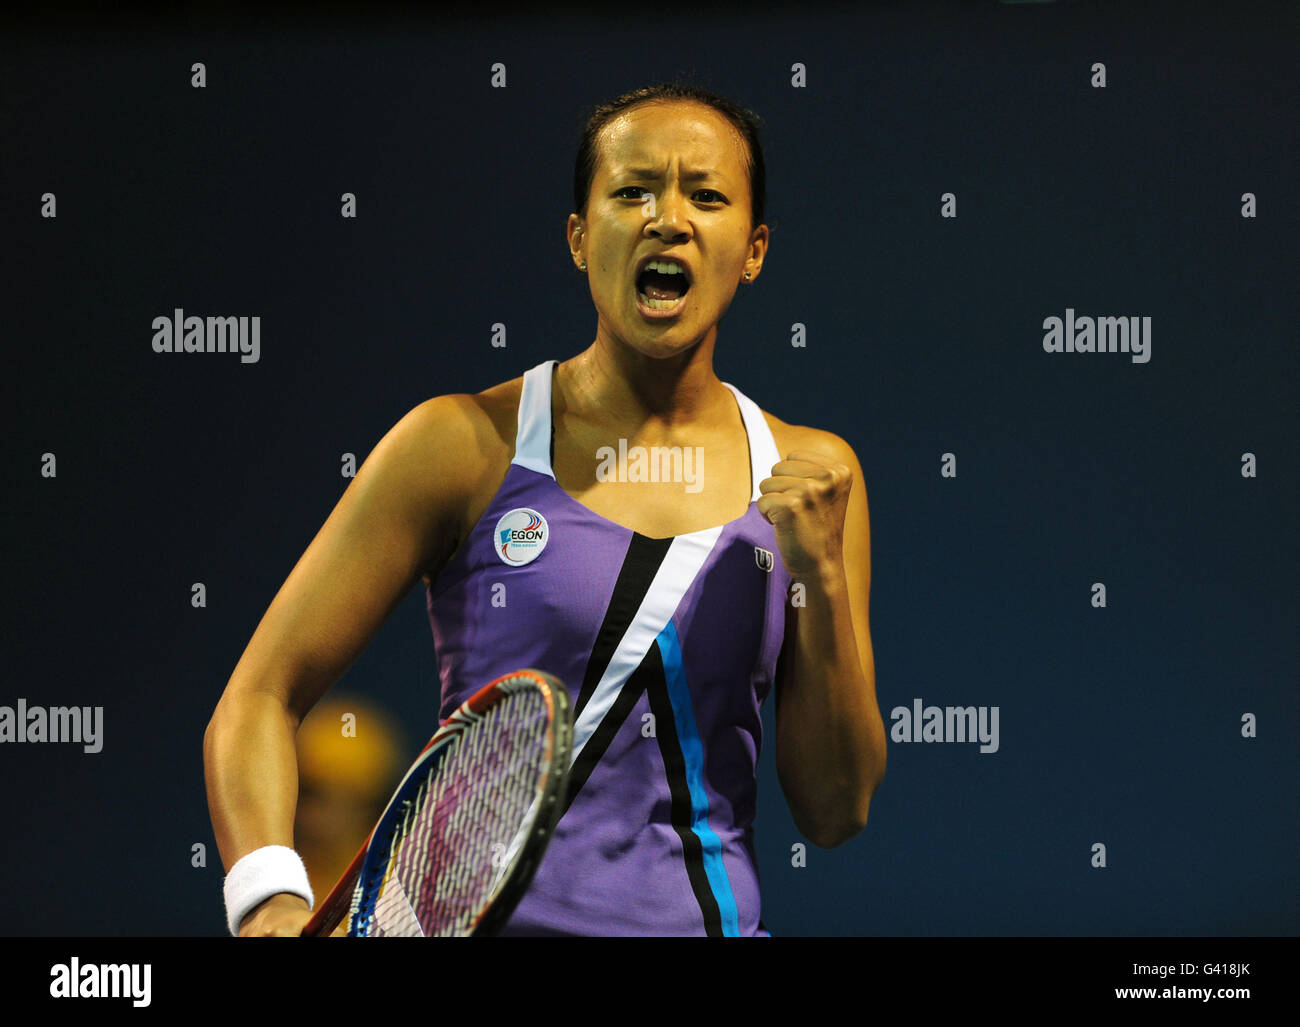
point(693, 753)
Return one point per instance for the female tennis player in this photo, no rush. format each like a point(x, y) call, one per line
point(669, 593)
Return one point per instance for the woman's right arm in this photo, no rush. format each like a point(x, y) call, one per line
point(396, 520)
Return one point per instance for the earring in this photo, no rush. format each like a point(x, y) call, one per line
point(747, 276)
point(584, 265)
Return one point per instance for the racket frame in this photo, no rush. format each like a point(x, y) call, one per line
point(345, 899)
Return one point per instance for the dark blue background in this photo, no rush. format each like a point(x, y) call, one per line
point(1119, 726)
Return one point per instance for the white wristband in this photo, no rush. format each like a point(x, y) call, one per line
point(262, 873)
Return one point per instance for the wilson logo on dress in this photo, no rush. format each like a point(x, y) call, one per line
point(763, 557)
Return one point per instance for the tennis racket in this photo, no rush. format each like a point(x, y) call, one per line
point(462, 836)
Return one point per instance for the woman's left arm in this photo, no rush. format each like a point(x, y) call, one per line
point(830, 739)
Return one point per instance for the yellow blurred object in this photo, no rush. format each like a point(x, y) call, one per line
point(357, 755)
point(350, 755)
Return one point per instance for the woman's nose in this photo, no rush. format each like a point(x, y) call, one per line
point(670, 222)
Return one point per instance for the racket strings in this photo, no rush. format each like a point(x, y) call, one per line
point(467, 823)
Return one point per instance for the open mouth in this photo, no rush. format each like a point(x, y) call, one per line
point(659, 289)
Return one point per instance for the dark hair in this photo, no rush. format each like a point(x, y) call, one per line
point(745, 121)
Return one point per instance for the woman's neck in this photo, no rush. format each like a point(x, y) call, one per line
point(615, 384)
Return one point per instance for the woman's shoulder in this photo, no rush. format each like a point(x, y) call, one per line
point(793, 438)
point(483, 421)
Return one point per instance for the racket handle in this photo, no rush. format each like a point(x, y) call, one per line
point(330, 913)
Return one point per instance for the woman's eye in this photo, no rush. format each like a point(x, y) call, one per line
point(641, 194)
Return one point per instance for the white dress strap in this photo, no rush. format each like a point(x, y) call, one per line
point(762, 446)
point(533, 439)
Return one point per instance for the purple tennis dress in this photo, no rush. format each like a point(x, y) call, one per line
point(668, 648)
